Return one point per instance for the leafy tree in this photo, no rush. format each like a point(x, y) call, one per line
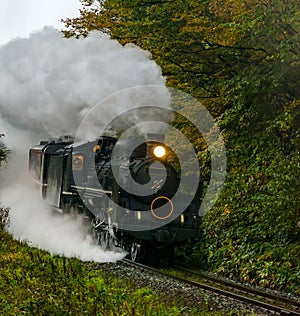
point(203, 47)
point(183, 38)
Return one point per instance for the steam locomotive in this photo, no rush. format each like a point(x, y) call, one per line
point(125, 187)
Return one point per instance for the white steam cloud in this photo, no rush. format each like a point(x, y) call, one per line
point(48, 83)
point(47, 86)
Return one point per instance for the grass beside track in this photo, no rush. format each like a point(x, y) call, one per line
point(33, 282)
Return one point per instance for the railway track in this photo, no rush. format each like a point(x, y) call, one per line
point(274, 304)
point(278, 300)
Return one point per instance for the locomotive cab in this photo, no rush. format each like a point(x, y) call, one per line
point(39, 159)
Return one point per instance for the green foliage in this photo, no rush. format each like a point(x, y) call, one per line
point(253, 231)
point(241, 59)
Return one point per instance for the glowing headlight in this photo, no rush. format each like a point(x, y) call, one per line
point(159, 151)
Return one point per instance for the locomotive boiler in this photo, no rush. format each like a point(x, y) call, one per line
point(126, 187)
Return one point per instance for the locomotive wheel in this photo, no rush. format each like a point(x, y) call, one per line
point(98, 235)
point(104, 239)
point(135, 251)
point(111, 242)
point(95, 236)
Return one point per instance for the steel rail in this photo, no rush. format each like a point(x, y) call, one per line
point(241, 298)
point(244, 288)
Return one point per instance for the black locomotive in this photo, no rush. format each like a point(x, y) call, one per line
point(126, 187)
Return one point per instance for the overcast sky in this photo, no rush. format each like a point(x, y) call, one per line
point(21, 17)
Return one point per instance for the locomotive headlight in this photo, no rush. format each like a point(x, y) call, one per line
point(159, 151)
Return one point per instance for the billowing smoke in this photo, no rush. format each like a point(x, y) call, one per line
point(48, 85)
